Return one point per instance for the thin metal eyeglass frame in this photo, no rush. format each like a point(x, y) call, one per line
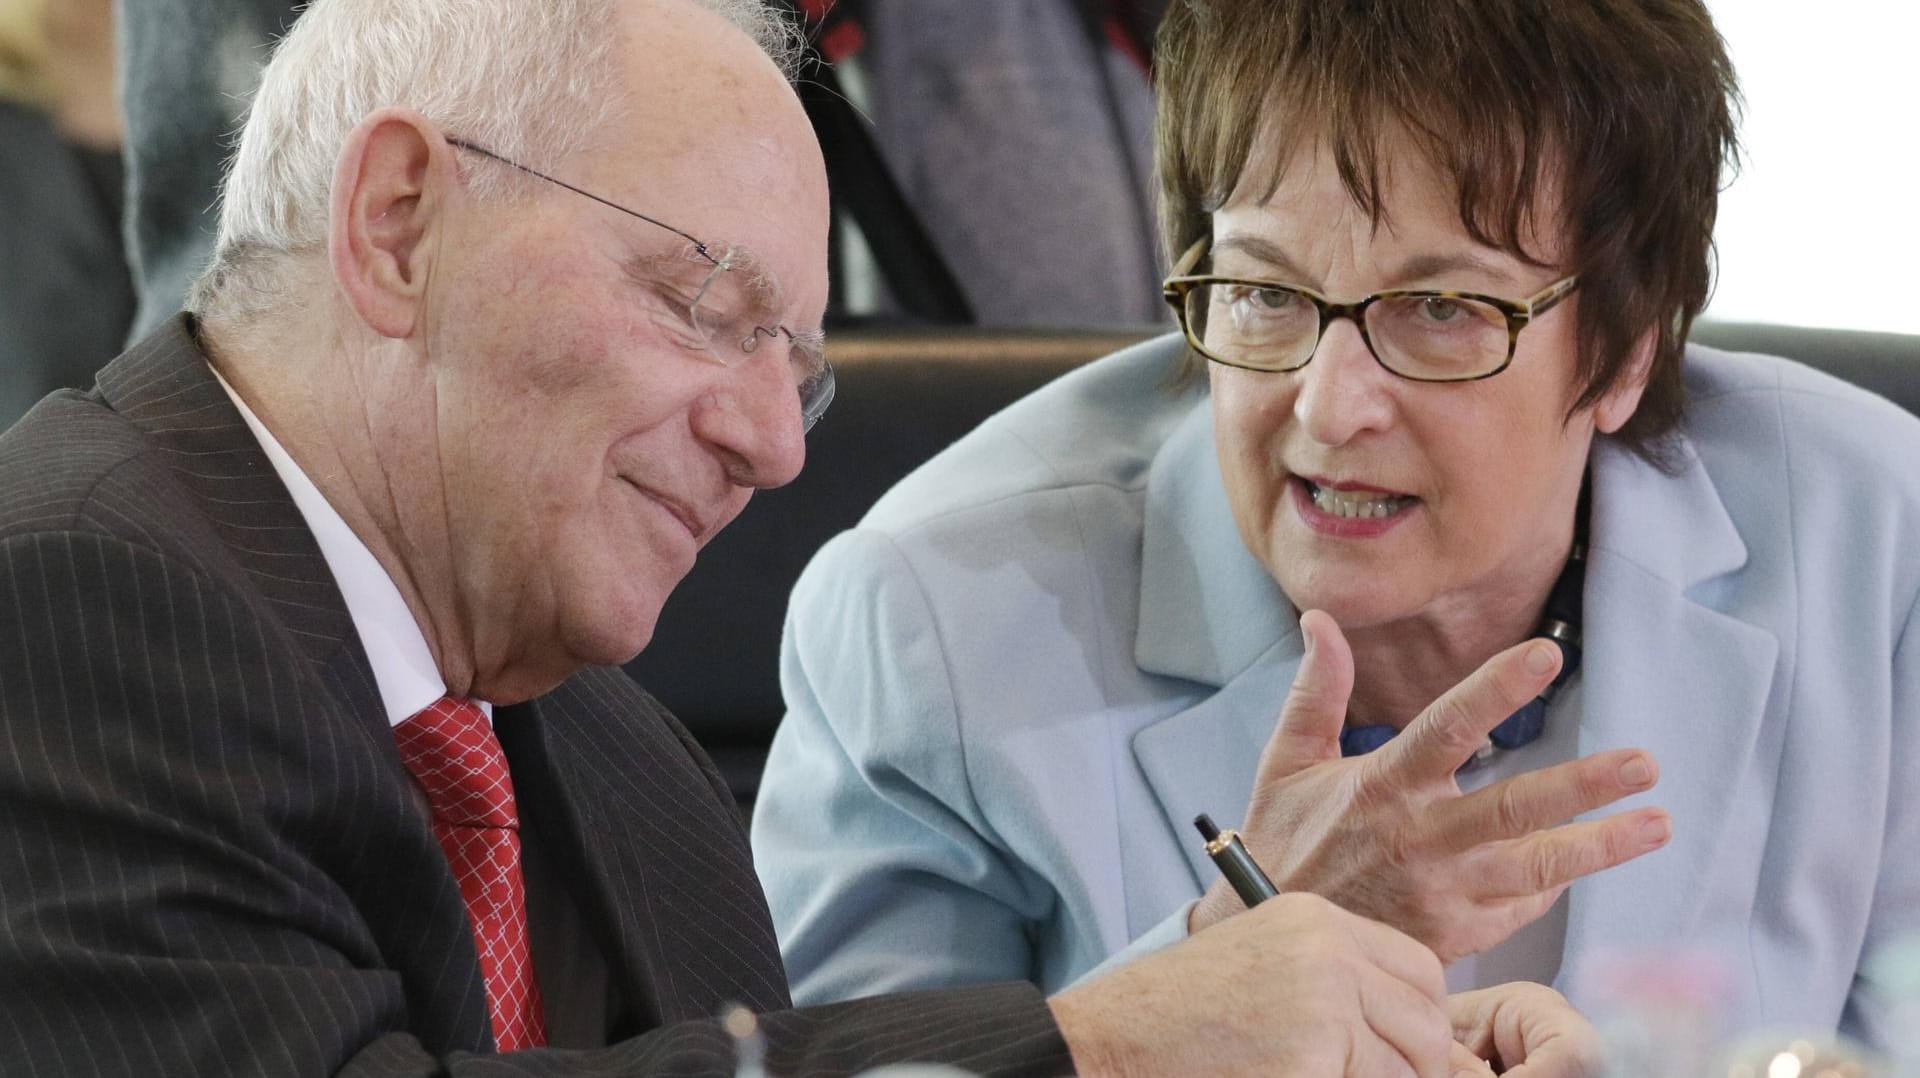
point(810, 411)
point(1519, 313)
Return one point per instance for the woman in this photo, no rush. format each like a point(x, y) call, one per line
point(1438, 263)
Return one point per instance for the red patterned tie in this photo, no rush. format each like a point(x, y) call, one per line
point(455, 757)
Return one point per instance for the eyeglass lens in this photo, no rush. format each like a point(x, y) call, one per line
point(725, 313)
point(1426, 337)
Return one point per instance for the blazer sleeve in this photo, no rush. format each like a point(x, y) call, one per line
point(1872, 1013)
point(880, 870)
point(167, 906)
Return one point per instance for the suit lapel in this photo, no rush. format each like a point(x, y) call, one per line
point(1209, 614)
point(601, 876)
point(164, 386)
point(654, 856)
point(1655, 650)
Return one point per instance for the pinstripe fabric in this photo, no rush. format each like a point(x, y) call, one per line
point(210, 862)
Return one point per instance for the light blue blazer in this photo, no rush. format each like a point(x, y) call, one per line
point(1012, 687)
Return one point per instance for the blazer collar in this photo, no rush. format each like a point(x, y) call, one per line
point(1211, 614)
point(1208, 609)
point(1668, 667)
point(164, 386)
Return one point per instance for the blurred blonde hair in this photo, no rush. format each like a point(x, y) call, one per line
point(23, 52)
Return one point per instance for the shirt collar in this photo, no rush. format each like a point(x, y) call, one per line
point(403, 667)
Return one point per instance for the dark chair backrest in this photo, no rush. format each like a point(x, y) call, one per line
point(904, 397)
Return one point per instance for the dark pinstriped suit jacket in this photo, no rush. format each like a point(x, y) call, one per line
point(210, 858)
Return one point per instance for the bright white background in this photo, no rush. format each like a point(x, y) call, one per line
point(1822, 225)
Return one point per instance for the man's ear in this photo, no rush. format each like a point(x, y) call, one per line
point(1617, 405)
point(385, 212)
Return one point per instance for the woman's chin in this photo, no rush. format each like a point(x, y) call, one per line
point(1355, 600)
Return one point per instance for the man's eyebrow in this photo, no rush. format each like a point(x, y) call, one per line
point(650, 267)
point(762, 284)
point(812, 344)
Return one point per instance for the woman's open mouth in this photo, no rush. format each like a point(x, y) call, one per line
point(1354, 504)
point(1349, 510)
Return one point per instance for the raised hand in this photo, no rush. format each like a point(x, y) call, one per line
point(1389, 835)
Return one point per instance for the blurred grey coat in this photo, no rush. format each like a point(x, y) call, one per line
point(187, 70)
point(65, 297)
point(1024, 144)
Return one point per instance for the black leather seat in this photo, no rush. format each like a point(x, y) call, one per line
point(905, 396)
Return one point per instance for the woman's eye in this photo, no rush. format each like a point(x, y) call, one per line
point(1262, 299)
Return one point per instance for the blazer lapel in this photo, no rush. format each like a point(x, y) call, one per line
point(1668, 673)
point(1209, 614)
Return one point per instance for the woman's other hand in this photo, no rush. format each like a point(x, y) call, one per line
point(1526, 1031)
point(1389, 835)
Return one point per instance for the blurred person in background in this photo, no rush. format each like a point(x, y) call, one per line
point(187, 70)
point(65, 293)
point(989, 162)
point(1431, 534)
point(994, 159)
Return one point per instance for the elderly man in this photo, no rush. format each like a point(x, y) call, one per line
point(311, 762)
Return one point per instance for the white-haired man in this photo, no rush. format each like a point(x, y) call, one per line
point(312, 764)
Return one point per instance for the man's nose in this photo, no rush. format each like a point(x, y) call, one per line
point(1343, 392)
point(754, 420)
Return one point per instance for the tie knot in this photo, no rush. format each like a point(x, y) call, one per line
point(452, 752)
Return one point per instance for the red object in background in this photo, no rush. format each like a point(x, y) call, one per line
point(837, 35)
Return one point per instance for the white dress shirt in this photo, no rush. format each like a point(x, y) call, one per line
point(403, 667)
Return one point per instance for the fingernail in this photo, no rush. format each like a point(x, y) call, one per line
point(1539, 658)
point(1636, 772)
point(1656, 831)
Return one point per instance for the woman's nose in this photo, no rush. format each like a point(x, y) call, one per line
point(1343, 391)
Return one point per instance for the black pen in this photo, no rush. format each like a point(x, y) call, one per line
point(1236, 864)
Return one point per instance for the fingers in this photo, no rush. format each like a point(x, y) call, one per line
point(1400, 956)
point(1552, 859)
point(1527, 803)
point(1316, 707)
point(1530, 1029)
point(1412, 1031)
point(1464, 1064)
point(1453, 727)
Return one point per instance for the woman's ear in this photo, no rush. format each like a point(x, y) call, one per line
point(1617, 405)
point(385, 211)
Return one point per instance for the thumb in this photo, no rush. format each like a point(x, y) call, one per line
point(1316, 707)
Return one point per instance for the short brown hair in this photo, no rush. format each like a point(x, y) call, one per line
point(1626, 108)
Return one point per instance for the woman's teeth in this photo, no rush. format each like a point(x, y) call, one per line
point(1354, 503)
